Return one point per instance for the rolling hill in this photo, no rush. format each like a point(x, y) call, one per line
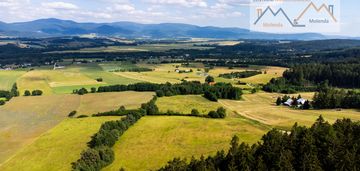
point(55, 27)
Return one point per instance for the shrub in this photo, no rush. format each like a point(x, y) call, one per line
point(27, 93)
point(71, 114)
point(82, 116)
point(36, 93)
point(2, 102)
point(195, 112)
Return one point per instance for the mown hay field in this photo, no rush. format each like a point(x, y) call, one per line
point(23, 119)
point(261, 108)
point(184, 104)
point(153, 141)
point(58, 147)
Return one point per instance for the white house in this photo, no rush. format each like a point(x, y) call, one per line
point(301, 101)
point(289, 102)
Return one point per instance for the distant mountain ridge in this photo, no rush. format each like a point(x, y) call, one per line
point(53, 27)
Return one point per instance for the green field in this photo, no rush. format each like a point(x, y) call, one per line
point(153, 141)
point(23, 119)
point(58, 147)
point(8, 78)
point(184, 104)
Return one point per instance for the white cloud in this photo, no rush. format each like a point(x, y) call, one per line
point(186, 3)
point(60, 5)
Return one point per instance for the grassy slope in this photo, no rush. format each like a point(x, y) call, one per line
point(93, 103)
point(261, 107)
point(34, 80)
point(151, 142)
point(8, 78)
point(184, 104)
point(57, 148)
point(25, 118)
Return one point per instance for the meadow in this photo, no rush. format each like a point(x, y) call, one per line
point(261, 107)
point(163, 73)
point(184, 104)
point(153, 141)
point(64, 81)
point(8, 78)
point(57, 148)
point(23, 119)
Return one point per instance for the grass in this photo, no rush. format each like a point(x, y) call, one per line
point(64, 81)
point(271, 72)
point(8, 78)
point(153, 141)
point(57, 148)
point(23, 119)
point(93, 103)
point(34, 80)
point(184, 104)
point(261, 107)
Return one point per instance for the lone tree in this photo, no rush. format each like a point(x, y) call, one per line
point(195, 112)
point(209, 79)
point(36, 93)
point(27, 93)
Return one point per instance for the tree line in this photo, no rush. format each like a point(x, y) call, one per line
point(321, 147)
point(99, 154)
point(244, 74)
point(212, 92)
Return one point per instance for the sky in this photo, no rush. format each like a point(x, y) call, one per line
point(221, 13)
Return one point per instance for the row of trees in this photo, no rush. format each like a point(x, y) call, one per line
point(212, 92)
point(244, 74)
point(99, 154)
point(320, 147)
point(33, 93)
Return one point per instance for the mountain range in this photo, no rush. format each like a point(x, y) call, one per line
point(55, 27)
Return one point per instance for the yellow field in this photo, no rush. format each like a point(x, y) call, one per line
point(57, 148)
point(271, 72)
point(34, 80)
point(166, 73)
point(153, 141)
point(8, 78)
point(25, 118)
point(261, 107)
point(184, 104)
point(93, 103)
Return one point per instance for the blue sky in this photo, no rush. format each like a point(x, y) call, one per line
point(223, 13)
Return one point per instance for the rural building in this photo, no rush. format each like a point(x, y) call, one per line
point(289, 102)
